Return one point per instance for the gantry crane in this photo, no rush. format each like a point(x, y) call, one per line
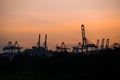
point(62, 48)
point(38, 46)
point(97, 43)
point(45, 42)
point(116, 45)
point(107, 43)
point(86, 46)
point(39, 49)
point(84, 39)
point(38, 43)
point(12, 48)
point(102, 43)
point(77, 48)
point(17, 47)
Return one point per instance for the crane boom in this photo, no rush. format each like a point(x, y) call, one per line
point(84, 40)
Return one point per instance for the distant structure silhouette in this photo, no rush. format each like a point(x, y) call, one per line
point(38, 49)
point(11, 49)
point(97, 43)
point(84, 47)
point(38, 43)
point(45, 43)
point(107, 43)
point(78, 48)
point(116, 46)
point(62, 48)
point(102, 44)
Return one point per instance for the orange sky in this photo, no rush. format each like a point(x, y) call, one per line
point(23, 20)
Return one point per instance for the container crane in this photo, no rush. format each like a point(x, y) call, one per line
point(45, 42)
point(84, 39)
point(10, 48)
point(17, 47)
point(38, 43)
point(102, 43)
point(97, 43)
point(77, 48)
point(107, 43)
point(62, 48)
point(116, 45)
point(86, 45)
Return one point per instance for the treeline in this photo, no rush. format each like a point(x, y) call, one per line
point(105, 62)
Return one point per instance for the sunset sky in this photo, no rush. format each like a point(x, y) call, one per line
point(23, 20)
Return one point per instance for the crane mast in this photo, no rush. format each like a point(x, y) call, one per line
point(62, 48)
point(102, 43)
point(45, 42)
point(84, 39)
point(38, 44)
point(12, 48)
point(97, 44)
point(107, 43)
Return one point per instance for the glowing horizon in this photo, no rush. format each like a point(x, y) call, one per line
point(23, 20)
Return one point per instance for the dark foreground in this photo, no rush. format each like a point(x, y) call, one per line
point(61, 66)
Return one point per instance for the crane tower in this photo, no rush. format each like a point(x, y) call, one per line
point(38, 44)
point(45, 42)
point(84, 39)
point(107, 43)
